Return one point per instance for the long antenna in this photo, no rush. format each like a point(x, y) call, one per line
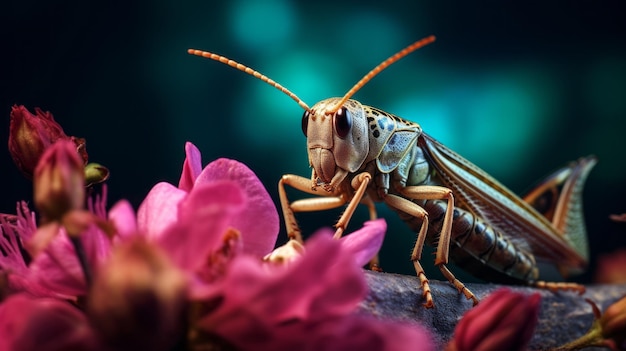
point(250, 71)
point(371, 74)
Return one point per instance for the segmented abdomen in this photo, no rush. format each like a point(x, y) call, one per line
point(477, 247)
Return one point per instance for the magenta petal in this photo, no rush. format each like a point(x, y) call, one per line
point(43, 324)
point(27, 285)
point(323, 283)
point(367, 333)
point(258, 222)
point(191, 167)
point(42, 238)
point(123, 217)
point(365, 243)
point(343, 281)
point(96, 244)
point(58, 269)
point(204, 216)
point(159, 210)
point(270, 305)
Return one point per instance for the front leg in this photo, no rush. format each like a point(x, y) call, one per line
point(331, 199)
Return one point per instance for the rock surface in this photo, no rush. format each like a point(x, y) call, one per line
point(564, 315)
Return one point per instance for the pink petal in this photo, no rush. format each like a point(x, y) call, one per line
point(204, 216)
point(258, 222)
point(159, 210)
point(42, 238)
point(343, 281)
point(43, 324)
point(191, 167)
point(365, 243)
point(58, 269)
point(97, 246)
point(366, 333)
point(324, 283)
point(27, 285)
point(308, 305)
point(123, 217)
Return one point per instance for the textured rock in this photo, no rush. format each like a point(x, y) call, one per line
point(564, 315)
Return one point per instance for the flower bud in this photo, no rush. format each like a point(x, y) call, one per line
point(95, 174)
point(138, 298)
point(30, 135)
point(503, 321)
point(613, 323)
point(59, 183)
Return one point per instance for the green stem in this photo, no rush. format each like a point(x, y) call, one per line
point(593, 337)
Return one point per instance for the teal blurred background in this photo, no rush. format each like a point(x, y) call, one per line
point(519, 88)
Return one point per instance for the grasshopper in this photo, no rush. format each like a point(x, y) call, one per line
point(363, 155)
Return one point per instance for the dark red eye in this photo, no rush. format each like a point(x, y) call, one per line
point(343, 122)
point(305, 121)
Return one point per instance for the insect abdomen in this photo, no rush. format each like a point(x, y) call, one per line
point(477, 247)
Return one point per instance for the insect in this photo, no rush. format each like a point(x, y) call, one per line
point(362, 155)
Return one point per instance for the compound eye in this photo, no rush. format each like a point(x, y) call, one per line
point(343, 122)
point(305, 121)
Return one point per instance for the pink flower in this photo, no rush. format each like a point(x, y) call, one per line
point(48, 324)
point(55, 271)
point(307, 305)
point(256, 219)
point(30, 135)
point(190, 221)
point(503, 321)
point(200, 245)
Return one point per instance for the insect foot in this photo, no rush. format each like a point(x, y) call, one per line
point(458, 285)
point(426, 294)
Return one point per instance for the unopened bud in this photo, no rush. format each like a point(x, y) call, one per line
point(30, 135)
point(95, 174)
point(505, 320)
point(59, 182)
point(613, 323)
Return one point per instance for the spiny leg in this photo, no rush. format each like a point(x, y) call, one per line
point(558, 286)
point(367, 201)
point(359, 183)
point(431, 192)
point(329, 201)
point(415, 210)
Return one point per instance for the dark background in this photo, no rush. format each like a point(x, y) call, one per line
point(517, 87)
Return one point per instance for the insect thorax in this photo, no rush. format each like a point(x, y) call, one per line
point(395, 160)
